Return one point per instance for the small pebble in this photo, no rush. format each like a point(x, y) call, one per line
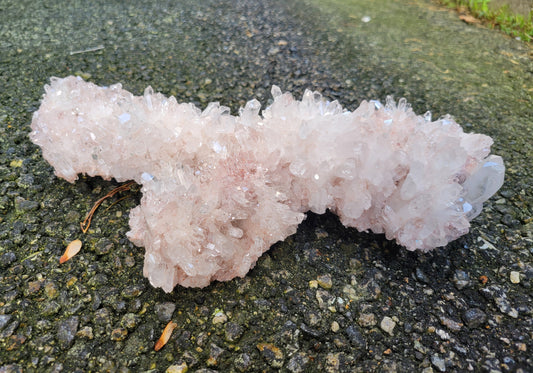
point(272, 354)
point(438, 363)
point(356, 337)
point(119, 334)
point(298, 363)
point(387, 325)
point(243, 362)
point(219, 317)
point(367, 320)
point(325, 281)
point(85, 332)
point(164, 311)
point(177, 368)
point(4, 320)
point(515, 277)
point(66, 331)
point(233, 331)
point(461, 279)
point(474, 317)
point(129, 321)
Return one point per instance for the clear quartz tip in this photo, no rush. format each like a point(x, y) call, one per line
point(483, 183)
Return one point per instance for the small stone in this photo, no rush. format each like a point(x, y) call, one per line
point(66, 331)
point(85, 332)
point(421, 276)
point(23, 205)
point(214, 355)
point(243, 362)
point(233, 331)
point(474, 317)
point(325, 299)
point(499, 296)
point(332, 362)
point(515, 277)
point(313, 284)
point(177, 368)
point(219, 317)
point(11, 368)
point(72, 217)
point(387, 325)
point(14, 342)
point(25, 181)
point(4, 320)
point(273, 51)
point(438, 363)
point(273, 355)
point(312, 318)
point(102, 316)
point(129, 321)
point(309, 331)
point(50, 308)
point(442, 334)
point(9, 330)
point(119, 334)
point(451, 324)
point(367, 320)
point(356, 337)
point(50, 290)
point(418, 346)
point(7, 258)
point(132, 291)
point(325, 281)
point(335, 327)
point(164, 311)
point(461, 279)
point(103, 246)
point(71, 281)
point(298, 363)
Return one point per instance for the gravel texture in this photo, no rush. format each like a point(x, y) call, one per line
point(328, 298)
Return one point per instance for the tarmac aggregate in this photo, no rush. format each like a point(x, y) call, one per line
point(327, 299)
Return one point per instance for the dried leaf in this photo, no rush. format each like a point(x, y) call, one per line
point(468, 18)
point(165, 336)
point(72, 249)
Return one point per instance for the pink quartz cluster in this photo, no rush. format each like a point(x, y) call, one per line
point(219, 190)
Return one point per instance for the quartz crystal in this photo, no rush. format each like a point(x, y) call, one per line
point(219, 190)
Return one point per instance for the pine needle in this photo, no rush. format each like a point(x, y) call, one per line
point(85, 224)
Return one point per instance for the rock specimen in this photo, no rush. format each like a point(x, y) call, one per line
point(219, 190)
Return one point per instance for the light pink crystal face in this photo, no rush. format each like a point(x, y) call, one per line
point(219, 190)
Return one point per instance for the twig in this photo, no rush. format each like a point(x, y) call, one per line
point(93, 49)
point(87, 222)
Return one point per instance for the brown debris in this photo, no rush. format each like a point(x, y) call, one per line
point(72, 249)
point(165, 336)
point(87, 222)
point(467, 18)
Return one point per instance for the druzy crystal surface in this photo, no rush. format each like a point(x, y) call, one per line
point(219, 190)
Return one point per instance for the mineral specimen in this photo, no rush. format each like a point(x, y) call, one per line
point(219, 190)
